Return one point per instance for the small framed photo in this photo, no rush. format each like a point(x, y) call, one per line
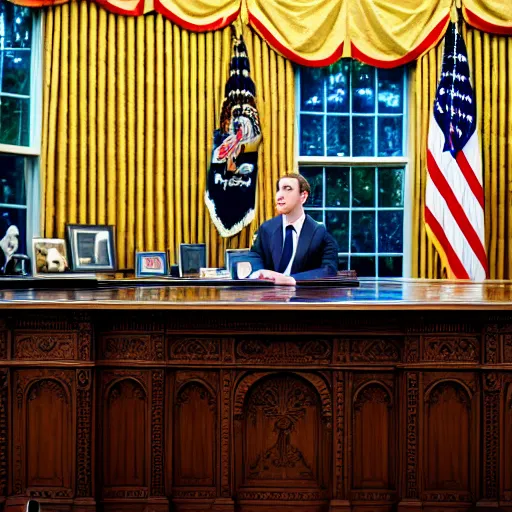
point(91, 248)
point(232, 256)
point(49, 256)
point(192, 259)
point(150, 264)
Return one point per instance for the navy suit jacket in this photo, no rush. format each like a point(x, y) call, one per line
point(316, 255)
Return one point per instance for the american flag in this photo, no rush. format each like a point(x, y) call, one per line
point(454, 203)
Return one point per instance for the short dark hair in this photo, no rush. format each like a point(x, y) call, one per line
point(303, 182)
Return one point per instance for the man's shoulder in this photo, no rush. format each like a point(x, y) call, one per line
point(272, 223)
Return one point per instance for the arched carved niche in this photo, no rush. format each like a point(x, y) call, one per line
point(373, 443)
point(249, 380)
point(49, 458)
point(124, 433)
point(448, 441)
point(281, 436)
point(195, 419)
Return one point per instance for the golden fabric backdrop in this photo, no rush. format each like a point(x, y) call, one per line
point(129, 110)
point(491, 77)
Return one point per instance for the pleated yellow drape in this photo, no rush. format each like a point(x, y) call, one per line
point(129, 110)
point(491, 77)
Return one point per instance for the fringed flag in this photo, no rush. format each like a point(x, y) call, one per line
point(231, 185)
point(454, 203)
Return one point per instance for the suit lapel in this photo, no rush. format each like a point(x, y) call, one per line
point(277, 241)
point(305, 238)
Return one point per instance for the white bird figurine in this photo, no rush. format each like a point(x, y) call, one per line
point(9, 245)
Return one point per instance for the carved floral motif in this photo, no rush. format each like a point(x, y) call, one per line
point(289, 351)
point(507, 349)
point(136, 492)
point(372, 496)
point(451, 348)
point(374, 350)
point(199, 390)
point(3, 344)
point(84, 429)
point(205, 494)
point(157, 447)
point(340, 431)
point(126, 346)
point(282, 496)
point(373, 393)
point(412, 436)
point(45, 346)
point(200, 349)
point(459, 497)
point(492, 387)
point(285, 400)
point(227, 382)
point(412, 344)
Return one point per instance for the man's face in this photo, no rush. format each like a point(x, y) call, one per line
point(288, 197)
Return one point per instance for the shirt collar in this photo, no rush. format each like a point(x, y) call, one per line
point(297, 225)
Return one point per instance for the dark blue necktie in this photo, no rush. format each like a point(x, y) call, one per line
point(286, 256)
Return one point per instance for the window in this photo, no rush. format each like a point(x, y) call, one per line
point(20, 82)
point(352, 151)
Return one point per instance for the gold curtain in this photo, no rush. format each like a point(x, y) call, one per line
point(129, 109)
point(491, 76)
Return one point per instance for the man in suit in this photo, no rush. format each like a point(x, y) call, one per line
point(292, 246)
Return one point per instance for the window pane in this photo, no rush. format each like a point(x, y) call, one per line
point(312, 89)
point(391, 231)
point(15, 26)
point(391, 85)
point(363, 88)
point(338, 136)
point(363, 265)
point(311, 135)
point(337, 224)
point(363, 136)
point(18, 217)
point(390, 266)
point(338, 187)
point(14, 119)
point(390, 136)
point(315, 180)
point(15, 71)
point(363, 231)
point(12, 180)
point(315, 215)
point(391, 187)
point(363, 187)
point(338, 86)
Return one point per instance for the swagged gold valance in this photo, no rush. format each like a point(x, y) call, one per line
point(384, 33)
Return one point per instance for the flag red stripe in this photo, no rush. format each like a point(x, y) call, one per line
point(456, 265)
point(471, 179)
point(456, 209)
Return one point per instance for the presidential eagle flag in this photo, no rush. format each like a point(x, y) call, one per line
point(454, 202)
point(231, 184)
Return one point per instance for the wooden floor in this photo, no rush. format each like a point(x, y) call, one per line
point(396, 395)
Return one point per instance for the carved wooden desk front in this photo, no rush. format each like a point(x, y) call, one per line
point(393, 395)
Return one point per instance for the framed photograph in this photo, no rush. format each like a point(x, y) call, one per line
point(150, 264)
point(231, 256)
point(49, 256)
point(91, 248)
point(192, 259)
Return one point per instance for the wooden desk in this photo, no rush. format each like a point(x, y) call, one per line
point(150, 399)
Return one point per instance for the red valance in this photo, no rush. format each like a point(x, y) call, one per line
point(383, 33)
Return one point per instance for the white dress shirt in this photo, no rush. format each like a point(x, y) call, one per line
point(297, 225)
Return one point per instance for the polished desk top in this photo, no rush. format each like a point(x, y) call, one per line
point(374, 294)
